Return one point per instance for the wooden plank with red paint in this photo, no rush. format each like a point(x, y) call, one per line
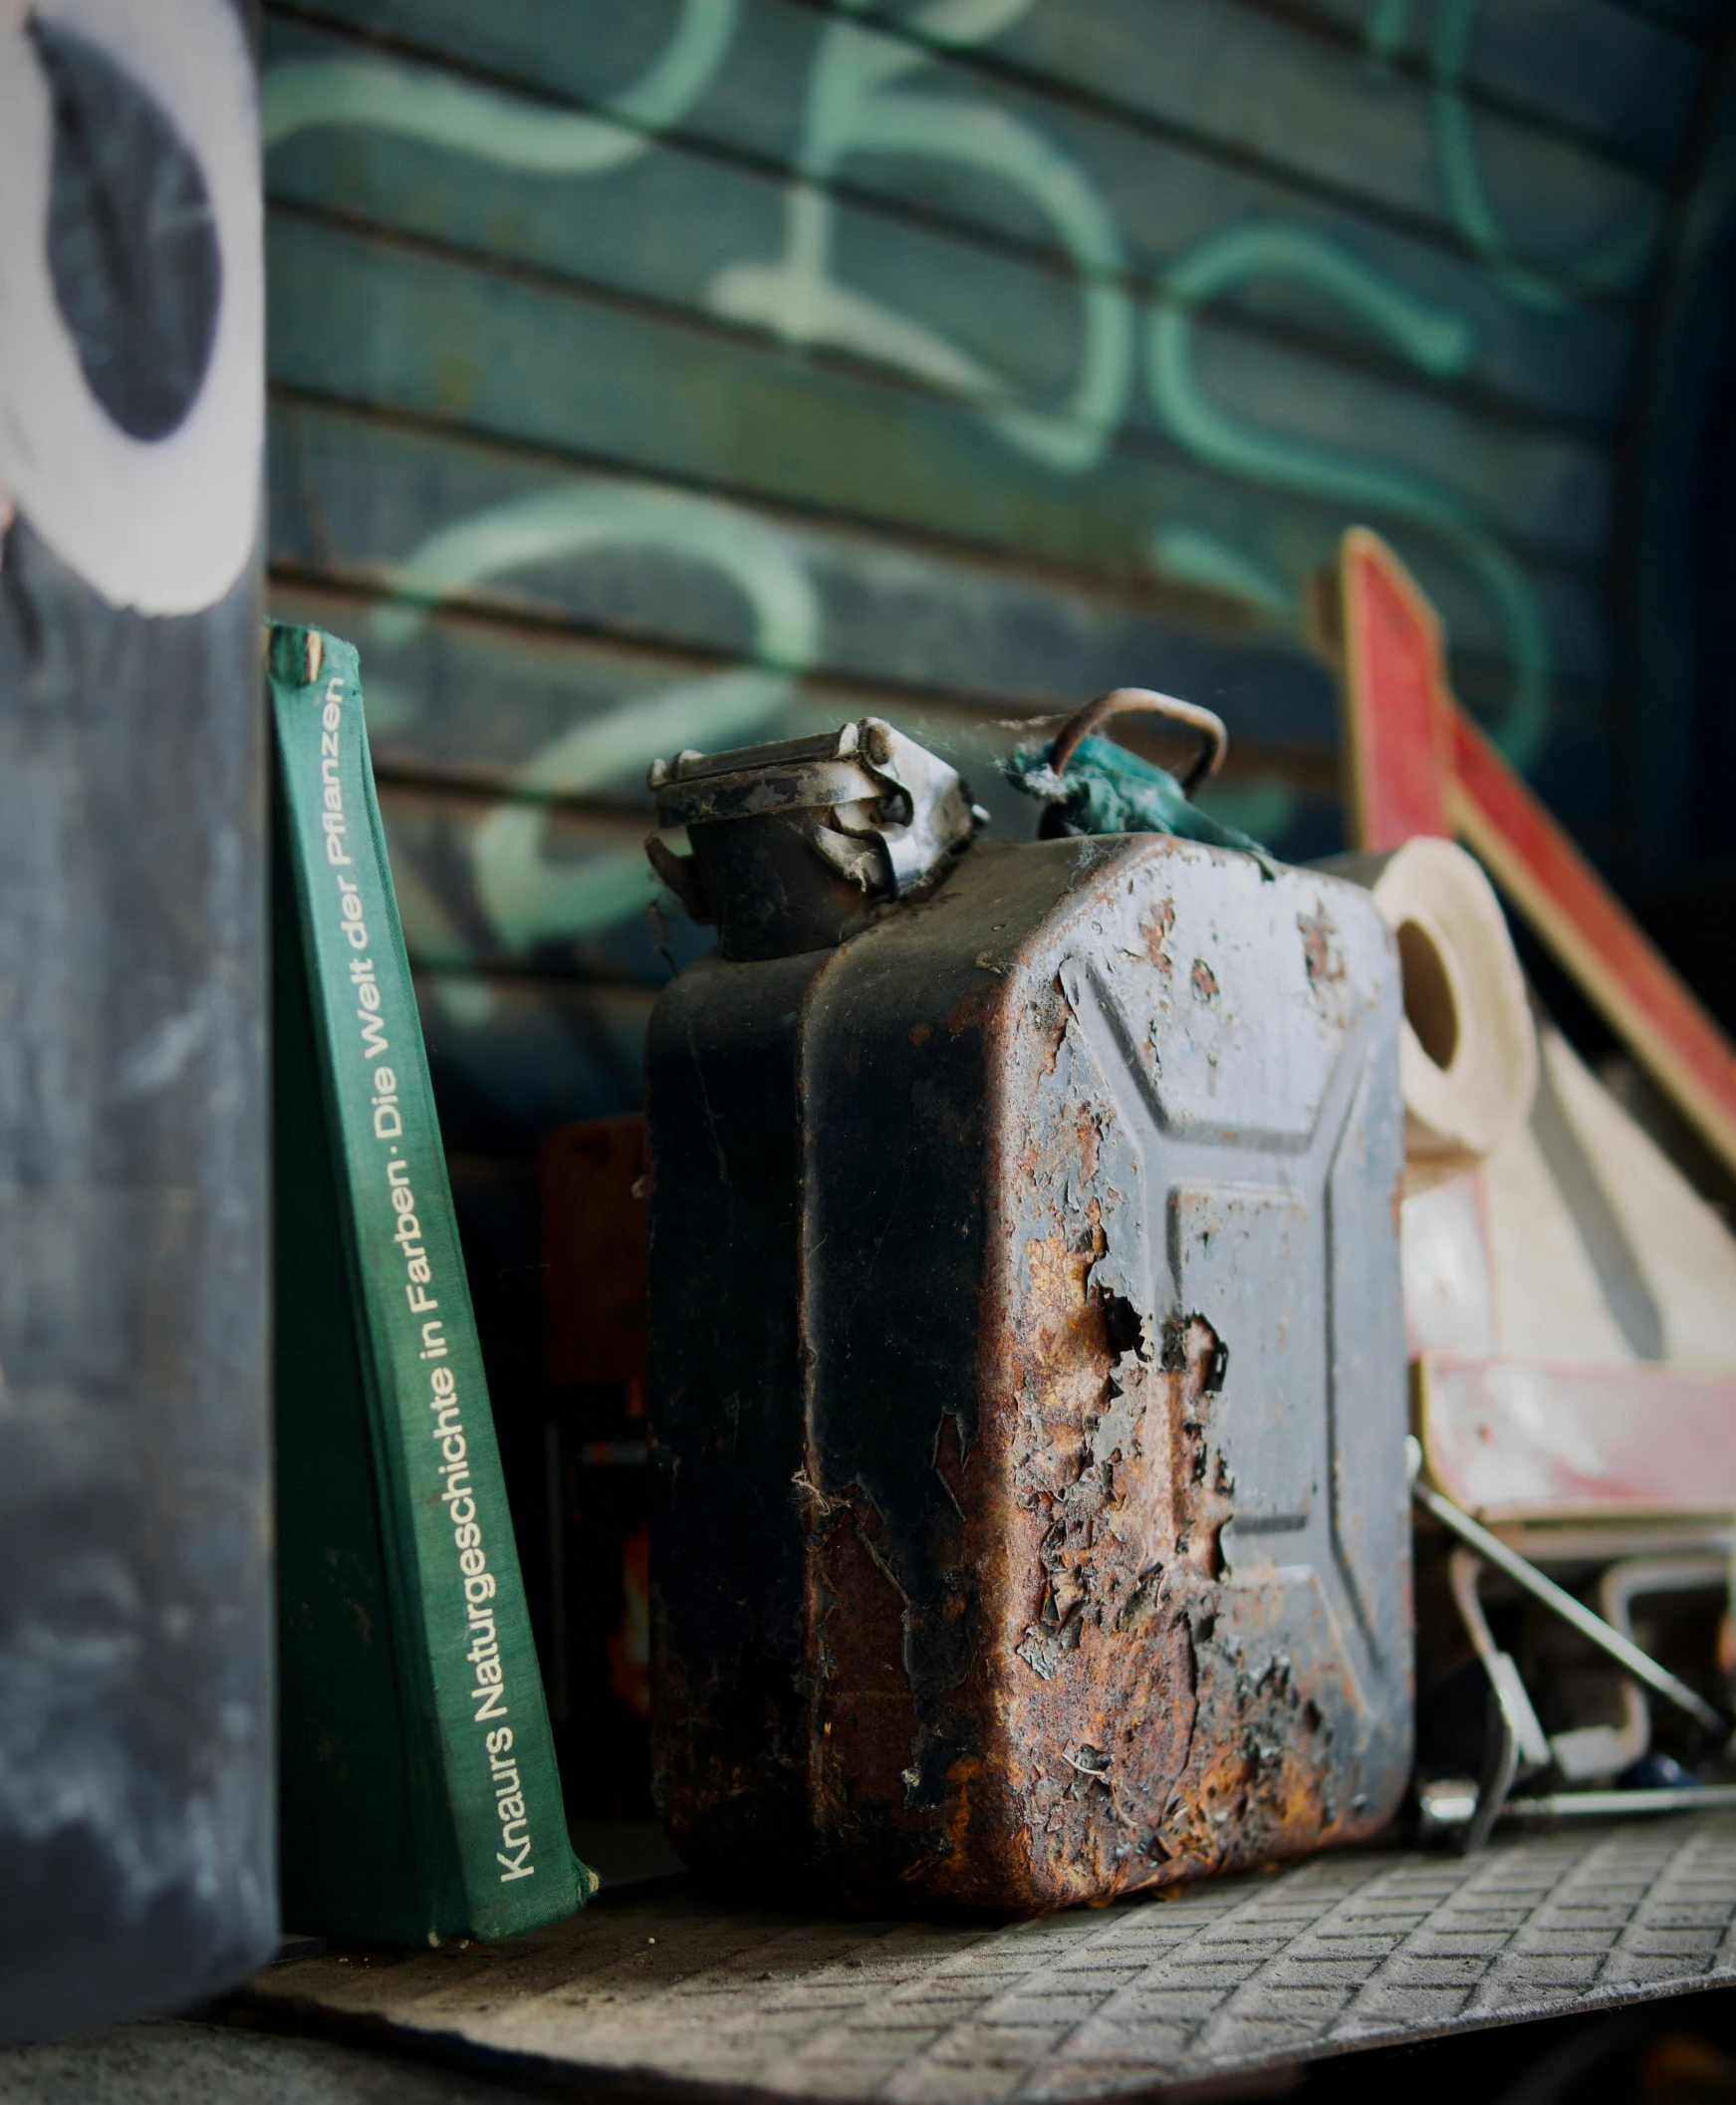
point(1519, 1439)
point(1416, 763)
point(1396, 703)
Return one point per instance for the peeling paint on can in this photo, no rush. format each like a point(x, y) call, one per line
point(1028, 1385)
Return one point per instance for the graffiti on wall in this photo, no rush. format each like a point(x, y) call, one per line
point(1142, 354)
point(130, 402)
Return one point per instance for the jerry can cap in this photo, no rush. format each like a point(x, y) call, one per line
point(799, 843)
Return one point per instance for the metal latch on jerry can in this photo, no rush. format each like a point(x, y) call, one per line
point(1027, 1384)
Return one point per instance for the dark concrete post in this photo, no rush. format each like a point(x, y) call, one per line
point(137, 1736)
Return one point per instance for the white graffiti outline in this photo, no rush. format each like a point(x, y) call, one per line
point(853, 108)
point(527, 899)
point(1435, 339)
point(509, 129)
point(857, 104)
point(1612, 263)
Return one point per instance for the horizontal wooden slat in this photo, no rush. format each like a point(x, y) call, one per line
point(483, 884)
point(1617, 77)
point(1703, 18)
point(476, 699)
point(470, 711)
point(1258, 91)
point(897, 629)
point(487, 709)
point(366, 320)
point(1009, 318)
point(1275, 93)
point(471, 715)
point(509, 888)
point(355, 497)
point(1533, 490)
point(512, 1056)
point(512, 782)
point(714, 214)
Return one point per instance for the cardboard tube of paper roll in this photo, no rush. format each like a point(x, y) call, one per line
point(1468, 1047)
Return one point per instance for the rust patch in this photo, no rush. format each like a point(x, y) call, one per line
point(1320, 947)
point(1063, 1348)
point(1194, 1350)
point(1089, 1134)
point(950, 1457)
point(962, 1776)
point(918, 1034)
point(865, 1710)
point(1204, 981)
point(1260, 1743)
point(1157, 928)
point(1143, 1746)
point(974, 1012)
point(1052, 1012)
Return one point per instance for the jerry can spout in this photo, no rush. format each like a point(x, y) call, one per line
point(798, 845)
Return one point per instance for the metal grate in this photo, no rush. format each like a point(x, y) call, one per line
point(1360, 1949)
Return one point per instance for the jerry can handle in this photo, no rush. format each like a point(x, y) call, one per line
point(1117, 701)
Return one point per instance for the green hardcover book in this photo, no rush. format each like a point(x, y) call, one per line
point(419, 1797)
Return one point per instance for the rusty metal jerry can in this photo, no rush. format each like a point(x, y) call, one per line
point(1027, 1382)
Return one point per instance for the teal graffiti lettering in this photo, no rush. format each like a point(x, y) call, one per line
point(854, 107)
point(510, 130)
point(527, 898)
point(1614, 262)
point(1192, 555)
point(1437, 341)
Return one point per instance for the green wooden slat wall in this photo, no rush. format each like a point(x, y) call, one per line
point(692, 372)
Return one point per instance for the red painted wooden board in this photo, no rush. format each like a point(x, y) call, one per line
point(1521, 1439)
point(1417, 764)
point(1396, 702)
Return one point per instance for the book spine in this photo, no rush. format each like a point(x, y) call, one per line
point(460, 1622)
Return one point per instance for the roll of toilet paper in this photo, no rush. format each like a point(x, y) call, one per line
point(1468, 1046)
